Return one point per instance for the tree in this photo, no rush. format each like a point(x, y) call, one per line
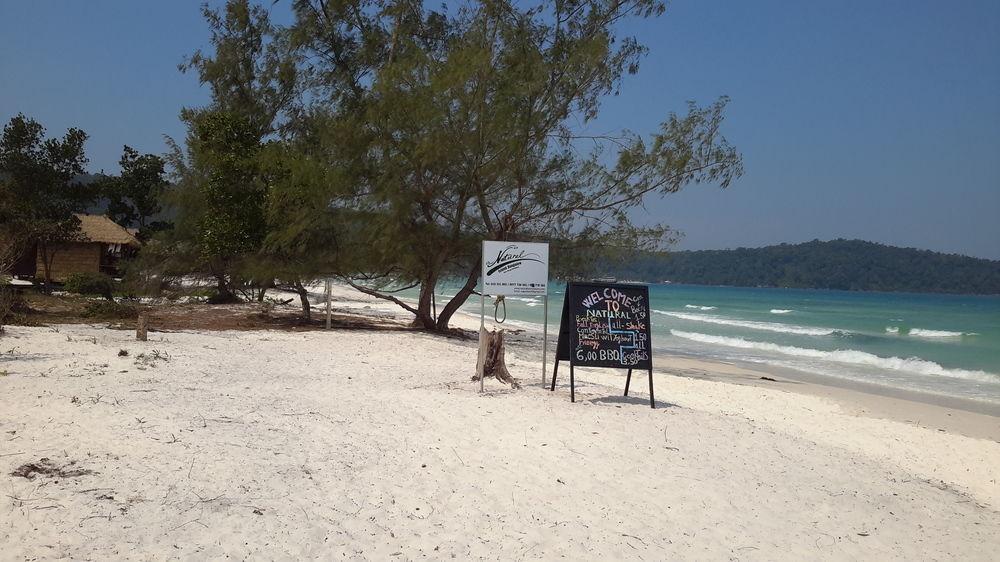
point(471, 125)
point(39, 186)
point(134, 197)
point(222, 188)
point(304, 229)
point(221, 199)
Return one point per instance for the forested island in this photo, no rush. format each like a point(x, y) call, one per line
point(851, 265)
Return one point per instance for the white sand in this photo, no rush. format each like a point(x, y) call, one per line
point(375, 445)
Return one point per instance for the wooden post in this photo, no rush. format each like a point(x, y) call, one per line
point(141, 327)
point(329, 289)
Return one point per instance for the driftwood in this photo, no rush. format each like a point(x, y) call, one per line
point(491, 361)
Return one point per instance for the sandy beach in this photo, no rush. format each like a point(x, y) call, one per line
point(355, 444)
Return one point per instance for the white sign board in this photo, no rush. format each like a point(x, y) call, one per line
point(515, 268)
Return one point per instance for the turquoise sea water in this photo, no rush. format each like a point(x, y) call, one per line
point(943, 344)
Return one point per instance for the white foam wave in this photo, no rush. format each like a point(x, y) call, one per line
point(781, 310)
point(699, 307)
point(923, 333)
point(849, 356)
point(766, 326)
point(919, 332)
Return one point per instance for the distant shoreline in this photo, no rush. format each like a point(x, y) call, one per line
point(844, 265)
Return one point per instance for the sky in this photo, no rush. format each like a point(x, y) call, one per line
point(871, 120)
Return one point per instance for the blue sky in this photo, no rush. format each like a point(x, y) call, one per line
point(873, 120)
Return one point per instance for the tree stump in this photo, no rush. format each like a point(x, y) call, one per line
point(141, 326)
point(491, 358)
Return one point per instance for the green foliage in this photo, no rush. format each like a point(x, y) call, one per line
point(384, 141)
point(468, 126)
point(134, 197)
point(98, 284)
point(39, 193)
point(233, 220)
point(111, 310)
point(850, 265)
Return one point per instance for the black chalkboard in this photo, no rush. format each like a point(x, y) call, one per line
point(605, 325)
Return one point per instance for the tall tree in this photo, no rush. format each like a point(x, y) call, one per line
point(473, 126)
point(38, 186)
point(221, 200)
point(134, 197)
point(222, 188)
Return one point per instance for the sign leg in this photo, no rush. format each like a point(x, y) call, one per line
point(482, 327)
point(555, 370)
point(572, 384)
point(652, 404)
point(628, 380)
point(545, 333)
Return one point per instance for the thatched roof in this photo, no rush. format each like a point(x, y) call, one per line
point(99, 228)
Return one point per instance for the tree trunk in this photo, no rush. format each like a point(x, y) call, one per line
point(304, 299)
point(459, 299)
point(47, 259)
point(491, 358)
point(269, 284)
point(424, 318)
point(225, 293)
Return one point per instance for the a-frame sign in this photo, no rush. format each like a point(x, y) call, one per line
point(605, 325)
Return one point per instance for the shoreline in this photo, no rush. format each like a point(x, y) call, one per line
point(962, 416)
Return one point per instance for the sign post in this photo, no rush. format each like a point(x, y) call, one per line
point(545, 331)
point(515, 268)
point(605, 325)
point(329, 289)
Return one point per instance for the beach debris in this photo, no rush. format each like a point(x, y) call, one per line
point(122, 353)
point(150, 359)
point(768, 379)
point(45, 467)
point(491, 358)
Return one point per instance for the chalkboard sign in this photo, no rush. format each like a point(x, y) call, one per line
point(605, 325)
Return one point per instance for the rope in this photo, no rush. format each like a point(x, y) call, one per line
point(496, 310)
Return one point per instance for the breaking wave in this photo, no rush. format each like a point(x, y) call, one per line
point(766, 326)
point(848, 356)
point(922, 333)
point(781, 310)
point(699, 307)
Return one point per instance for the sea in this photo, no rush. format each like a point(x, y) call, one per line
point(939, 344)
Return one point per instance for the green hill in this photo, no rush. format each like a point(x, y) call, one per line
point(852, 265)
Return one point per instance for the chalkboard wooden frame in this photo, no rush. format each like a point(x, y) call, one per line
point(568, 336)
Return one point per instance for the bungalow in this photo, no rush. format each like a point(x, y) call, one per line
point(101, 243)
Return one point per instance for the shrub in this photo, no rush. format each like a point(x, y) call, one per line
point(12, 305)
point(111, 310)
point(91, 284)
